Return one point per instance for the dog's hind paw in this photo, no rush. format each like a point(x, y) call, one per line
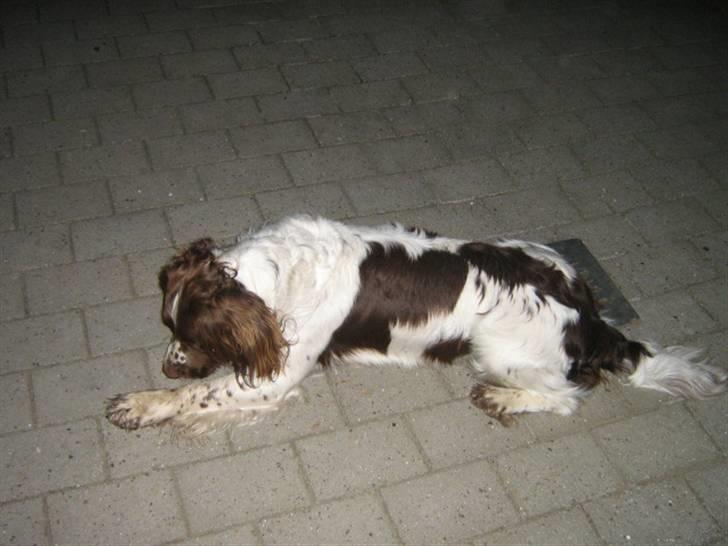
point(137, 409)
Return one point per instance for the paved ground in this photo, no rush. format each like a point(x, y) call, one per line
point(132, 126)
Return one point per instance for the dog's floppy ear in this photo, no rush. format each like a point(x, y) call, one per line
point(239, 328)
point(185, 264)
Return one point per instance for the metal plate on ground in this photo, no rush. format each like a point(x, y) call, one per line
point(614, 305)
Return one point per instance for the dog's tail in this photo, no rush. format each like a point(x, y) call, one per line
point(681, 372)
point(596, 346)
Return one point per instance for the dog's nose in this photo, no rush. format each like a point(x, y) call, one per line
point(170, 370)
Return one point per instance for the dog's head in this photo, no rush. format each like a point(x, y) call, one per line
point(214, 320)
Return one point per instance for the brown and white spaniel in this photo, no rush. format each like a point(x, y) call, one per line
point(309, 291)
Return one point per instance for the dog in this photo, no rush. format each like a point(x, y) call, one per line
point(311, 291)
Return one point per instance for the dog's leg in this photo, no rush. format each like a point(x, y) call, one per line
point(200, 406)
point(503, 402)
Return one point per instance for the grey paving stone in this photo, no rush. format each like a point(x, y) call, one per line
point(262, 81)
point(468, 180)
point(556, 161)
point(149, 45)
point(198, 63)
point(54, 136)
point(223, 218)
point(24, 522)
point(314, 412)
point(665, 512)
point(667, 179)
point(386, 193)
point(681, 82)
point(624, 89)
point(624, 62)
point(370, 96)
point(557, 474)
point(12, 296)
point(203, 484)
point(244, 534)
point(261, 56)
point(685, 55)
point(710, 485)
point(338, 522)
point(457, 432)
point(77, 285)
point(566, 67)
point(124, 72)
point(497, 107)
point(72, 391)
point(347, 128)
point(459, 56)
point(678, 143)
point(243, 177)
point(208, 116)
point(51, 458)
point(247, 14)
point(292, 31)
point(127, 158)
point(673, 220)
point(297, 104)
point(45, 80)
point(389, 66)
point(711, 413)
point(91, 102)
point(327, 200)
point(674, 317)
point(611, 152)
point(63, 203)
point(682, 110)
point(549, 130)
point(565, 527)
point(153, 190)
point(339, 47)
point(152, 124)
point(63, 52)
point(145, 267)
point(449, 507)
point(272, 138)
point(477, 139)
point(180, 19)
point(411, 153)
point(189, 150)
point(128, 452)
point(109, 25)
point(119, 234)
point(35, 247)
point(170, 93)
point(644, 447)
point(561, 96)
point(93, 514)
point(367, 393)
point(24, 110)
point(662, 268)
point(15, 389)
point(621, 118)
point(325, 74)
point(5, 143)
point(606, 237)
point(390, 456)
point(494, 78)
point(123, 325)
point(602, 194)
point(440, 86)
point(20, 57)
point(39, 33)
point(7, 212)
point(220, 37)
point(423, 118)
point(409, 38)
point(328, 164)
point(65, 11)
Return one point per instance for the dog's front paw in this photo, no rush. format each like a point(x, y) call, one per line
point(486, 398)
point(137, 409)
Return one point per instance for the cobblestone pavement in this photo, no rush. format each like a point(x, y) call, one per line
point(128, 127)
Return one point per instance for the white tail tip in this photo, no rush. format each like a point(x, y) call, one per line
point(680, 372)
